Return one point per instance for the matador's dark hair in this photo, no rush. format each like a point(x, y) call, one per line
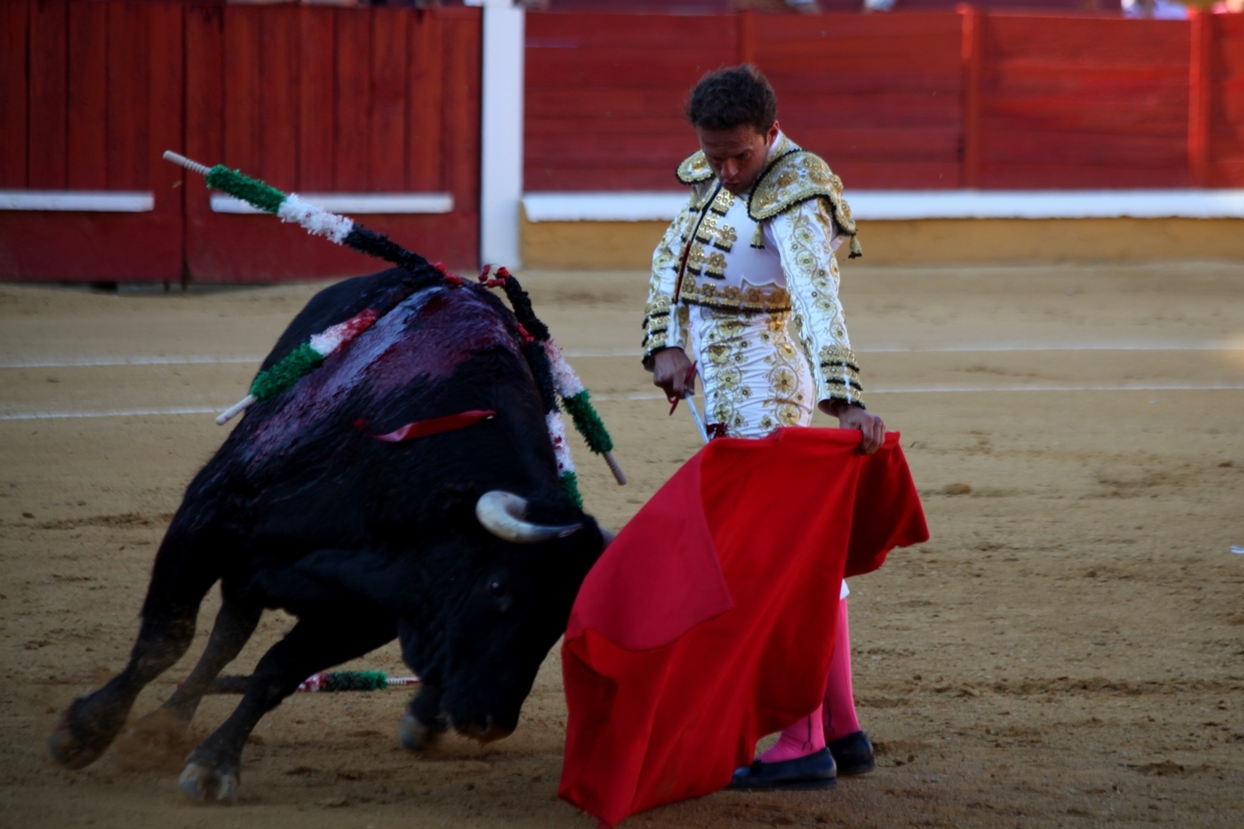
point(731, 96)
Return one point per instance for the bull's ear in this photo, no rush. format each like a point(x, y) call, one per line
point(504, 514)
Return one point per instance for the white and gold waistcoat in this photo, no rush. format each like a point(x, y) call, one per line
point(770, 251)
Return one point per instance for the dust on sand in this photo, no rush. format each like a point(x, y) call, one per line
point(1067, 650)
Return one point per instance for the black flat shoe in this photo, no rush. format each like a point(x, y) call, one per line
point(853, 754)
point(816, 771)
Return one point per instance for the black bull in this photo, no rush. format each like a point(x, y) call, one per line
point(462, 544)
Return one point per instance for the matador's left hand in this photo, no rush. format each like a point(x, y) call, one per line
point(871, 427)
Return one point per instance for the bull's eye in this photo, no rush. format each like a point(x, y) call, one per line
point(496, 588)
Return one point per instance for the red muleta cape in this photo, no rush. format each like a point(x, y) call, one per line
point(709, 621)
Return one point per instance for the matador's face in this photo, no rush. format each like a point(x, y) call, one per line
point(737, 155)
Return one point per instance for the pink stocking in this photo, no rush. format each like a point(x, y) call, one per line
point(839, 707)
point(799, 740)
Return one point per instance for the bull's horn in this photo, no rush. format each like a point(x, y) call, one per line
point(504, 515)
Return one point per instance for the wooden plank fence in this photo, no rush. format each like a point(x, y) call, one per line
point(312, 99)
point(1216, 146)
point(375, 101)
point(83, 111)
point(919, 100)
point(332, 101)
point(604, 96)
point(880, 99)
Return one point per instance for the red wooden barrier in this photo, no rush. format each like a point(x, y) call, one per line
point(880, 97)
point(1084, 103)
point(380, 100)
point(934, 100)
point(971, 54)
point(310, 99)
point(82, 110)
point(1224, 76)
point(345, 100)
point(14, 93)
point(604, 96)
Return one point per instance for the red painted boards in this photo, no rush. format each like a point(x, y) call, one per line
point(334, 100)
point(92, 106)
point(604, 96)
point(878, 96)
point(1083, 102)
point(1225, 94)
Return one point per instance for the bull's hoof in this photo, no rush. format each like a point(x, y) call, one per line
point(198, 782)
point(485, 732)
point(416, 735)
point(70, 749)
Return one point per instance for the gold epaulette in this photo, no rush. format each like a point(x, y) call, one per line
point(694, 169)
point(795, 178)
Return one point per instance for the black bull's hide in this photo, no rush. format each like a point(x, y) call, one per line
point(364, 540)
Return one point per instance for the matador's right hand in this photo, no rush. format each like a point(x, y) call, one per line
point(670, 368)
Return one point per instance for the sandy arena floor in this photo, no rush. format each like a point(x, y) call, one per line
point(1067, 650)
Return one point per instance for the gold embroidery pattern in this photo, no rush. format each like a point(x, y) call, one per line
point(656, 323)
point(694, 169)
point(724, 351)
point(715, 265)
point(817, 279)
point(786, 178)
point(794, 178)
point(758, 238)
point(840, 369)
point(684, 316)
point(716, 232)
point(749, 300)
point(722, 202)
point(758, 378)
point(654, 338)
point(665, 259)
point(707, 229)
point(807, 253)
point(785, 391)
point(669, 252)
point(658, 306)
point(696, 258)
point(839, 355)
point(703, 261)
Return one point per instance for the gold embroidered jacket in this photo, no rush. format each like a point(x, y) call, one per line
point(768, 251)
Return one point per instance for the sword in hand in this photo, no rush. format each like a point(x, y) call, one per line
point(695, 412)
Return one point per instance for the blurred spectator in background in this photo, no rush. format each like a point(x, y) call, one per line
point(1228, 7)
point(1155, 9)
point(878, 6)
